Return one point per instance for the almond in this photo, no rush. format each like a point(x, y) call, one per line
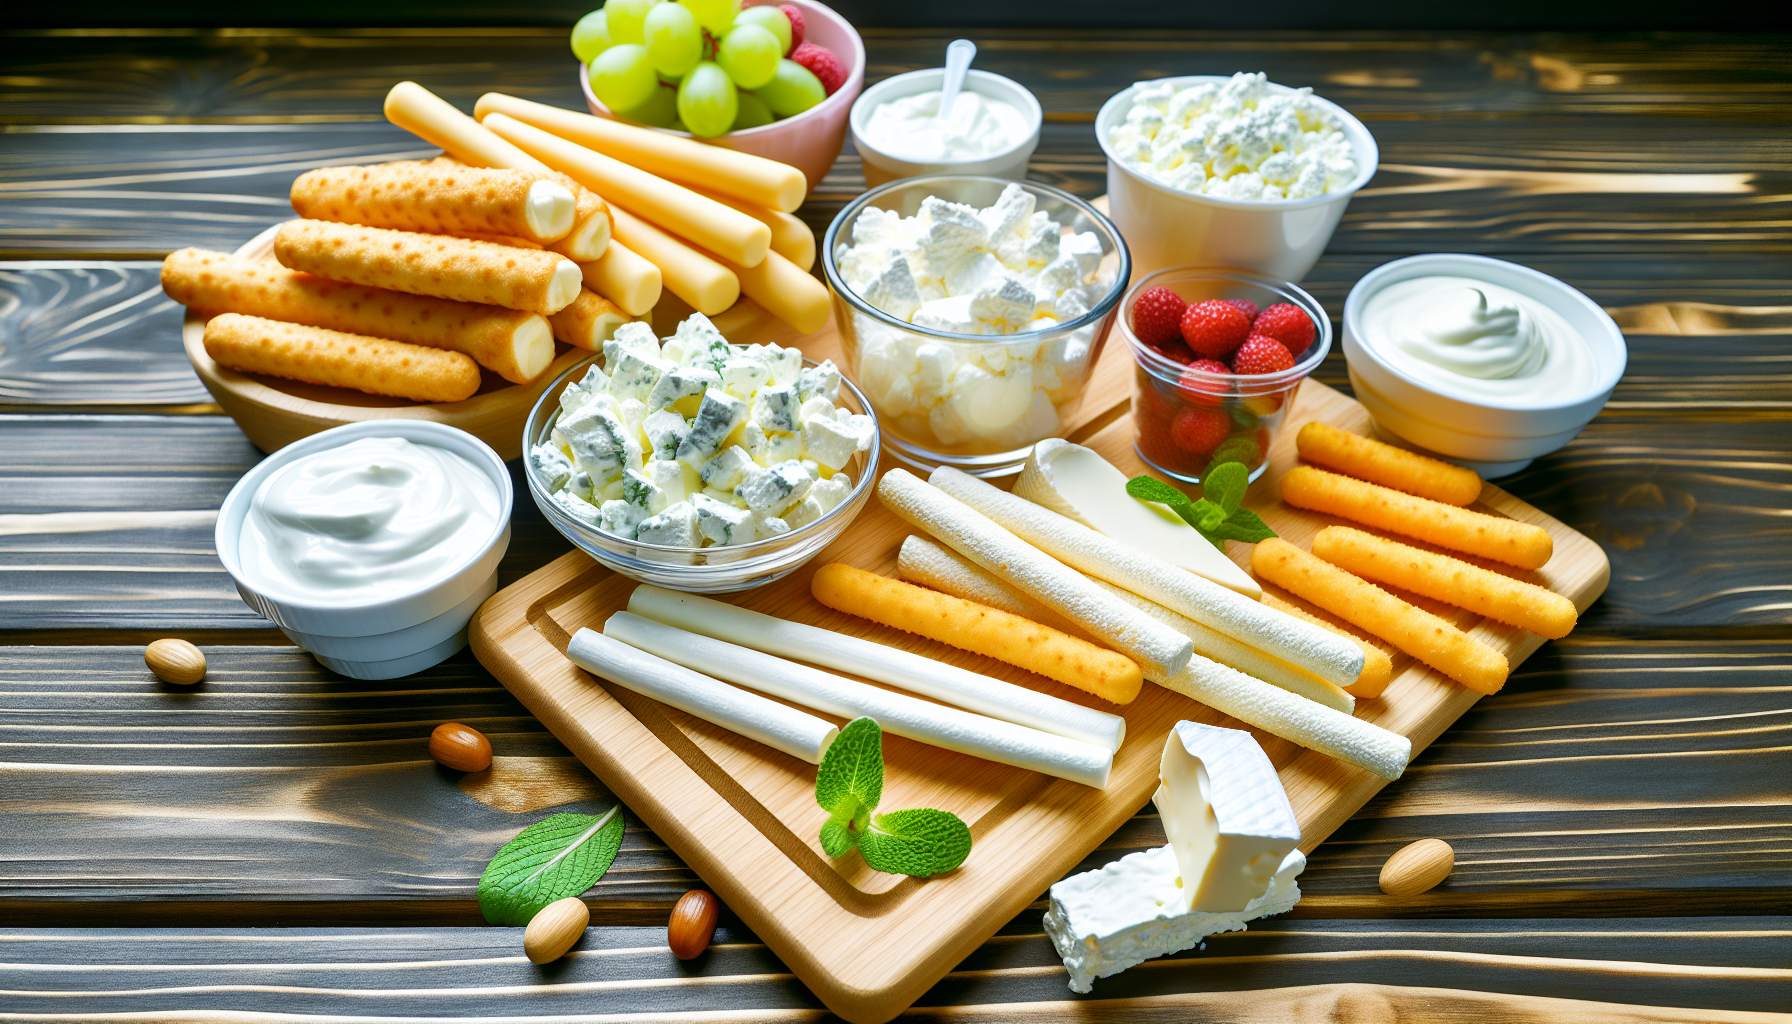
point(693, 924)
point(175, 661)
point(460, 747)
point(554, 929)
point(1415, 868)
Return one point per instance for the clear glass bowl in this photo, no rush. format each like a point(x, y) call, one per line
point(713, 570)
point(1252, 406)
point(974, 402)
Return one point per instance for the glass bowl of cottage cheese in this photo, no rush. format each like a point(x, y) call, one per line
point(1211, 170)
point(972, 311)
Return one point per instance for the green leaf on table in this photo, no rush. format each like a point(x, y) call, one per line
point(919, 842)
point(559, 856)
point(850, 781)
point(837, 837)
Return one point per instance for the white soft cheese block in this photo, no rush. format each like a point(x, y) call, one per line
point(1226, 814)
point(1109, 919)
point(949, 683)
point(1075, 482)
point(795, 732)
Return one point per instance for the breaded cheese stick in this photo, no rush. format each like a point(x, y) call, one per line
point(1378, 668)
point(791, 238)
point(423, 195)
point(438, 265)
point(707, 285)
point(625, 278)
point(1413, 630)
point(1368, 459)
point(318, 356)
point(513, 344)
point(1503, 540)
point(1447, 579)
point(589, 321)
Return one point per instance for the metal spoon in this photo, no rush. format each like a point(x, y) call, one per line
point(958, 61)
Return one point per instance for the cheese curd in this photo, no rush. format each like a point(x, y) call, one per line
point(693, 442)
point(1237, 140)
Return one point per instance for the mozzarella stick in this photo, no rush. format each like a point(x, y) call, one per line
point(1368, 459)
point(787, 292)
point(1034, 573)
point(419, 195)
point(776, 725)
point(926, 676)
point(513, 344)
point(1503, 540)
point(1378, 668)
point(979, 629)
point(317, 356)
point(589, 322)
point(437, 265)
point(1413, 630)
point(742, 175)
point(1451, 580)
point(623, 277)
point(591, 231)
point(911, 717)
point(1219, 608)
point(791, 238)
point(708, 286)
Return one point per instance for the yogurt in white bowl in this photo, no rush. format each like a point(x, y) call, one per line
point(992, 131)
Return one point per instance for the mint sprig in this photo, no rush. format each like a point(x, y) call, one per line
point(559, 856)
point(1216, 515)
point(849, 784)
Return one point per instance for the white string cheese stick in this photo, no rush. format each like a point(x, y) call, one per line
point(796, 733)
point(949, 683)
point(911, 717)
point(625, 278)
point(1301, 644)
point(787, 291)
point(699, 280)
point(1036, 574)
point(791, 238)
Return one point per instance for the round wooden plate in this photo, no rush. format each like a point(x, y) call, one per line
point(276, 412)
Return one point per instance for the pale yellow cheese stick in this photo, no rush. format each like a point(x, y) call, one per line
point(439, 265)
point(623, 277)
point(589, 321)
point(707, 285)
point(753, 178)
point(698, 218)
point(513, 344)
point(1447, 579)
point(591, 229)
point(423, 195)
point(1503, 540)
point(1378, 668)
point(1368, 459)
point(1413, 630)
point(791, 238)
point(788, 292)
point(318, 356)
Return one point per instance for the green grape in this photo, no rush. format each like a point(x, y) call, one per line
point(753, 112)
point(591, 36)
point(674, 43)
point(660, 110)
point(768, 17)
point(750, 55)
point(622, 78)
point(707, 101)
point(792, 90)
point(625, 17)
point(714, 15)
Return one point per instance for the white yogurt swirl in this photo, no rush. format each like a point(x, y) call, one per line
point(910, 128)
point(1478, 339)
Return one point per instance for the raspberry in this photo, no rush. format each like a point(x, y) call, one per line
point(1245, 306)
point(1287, 324)
point(797, 26)
point(1194, 389)
point(1157, 316)
point(1260, 354)
point(1198, 430)
point(823, 64)
point(1213, 329)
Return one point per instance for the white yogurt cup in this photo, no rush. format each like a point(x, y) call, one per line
point(1167, 227)
point(1493, 436)
point(881, 166)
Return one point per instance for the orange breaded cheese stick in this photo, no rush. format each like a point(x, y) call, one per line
point(589, 321)
point(318, 356)
point(1378, 668)
point(979, 629)
point(1413, 630)
point(436, 265)
point(438, 197)
point(513, 344)
point(1368, 459)
point(1503, 540)
point(1451, 580)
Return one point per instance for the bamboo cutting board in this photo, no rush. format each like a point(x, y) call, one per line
point(744, 818)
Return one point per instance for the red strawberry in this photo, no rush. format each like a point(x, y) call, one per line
point(1194, 388)
point(1176, 351)
point(1287, 324)
point(797, 27)
point(1198, 430)
point(1260, 354)
point(1152, 425)
point(1157, 316)
point(821, 61)
point(1245, 306)
point(1213, 329)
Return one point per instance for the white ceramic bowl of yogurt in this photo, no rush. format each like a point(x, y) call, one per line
point(1169, 227)
point(370, 544)
point(1486, 363)
point(993, 130)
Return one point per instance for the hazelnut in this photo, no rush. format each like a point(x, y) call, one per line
point(175, 661)
point(693, 924)
point(460, 747)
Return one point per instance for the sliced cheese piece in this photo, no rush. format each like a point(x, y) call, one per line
point(1225, 813)
point(1078, 484)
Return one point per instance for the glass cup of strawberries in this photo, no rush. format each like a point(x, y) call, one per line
point(1218, 355)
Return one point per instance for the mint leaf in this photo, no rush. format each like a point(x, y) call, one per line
point(920, 842)
point(559, 856)
point(1246, 526)
point(1215, 516)
point(850, 781)
point(1208, 517)
point(837, 837)
point(1225, 484)
point(1150, 488)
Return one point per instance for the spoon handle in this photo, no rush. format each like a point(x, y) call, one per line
point(958, 61)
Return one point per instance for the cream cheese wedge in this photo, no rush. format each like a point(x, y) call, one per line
point(1075, 482)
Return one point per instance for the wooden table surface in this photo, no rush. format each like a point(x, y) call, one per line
point(276, 844)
